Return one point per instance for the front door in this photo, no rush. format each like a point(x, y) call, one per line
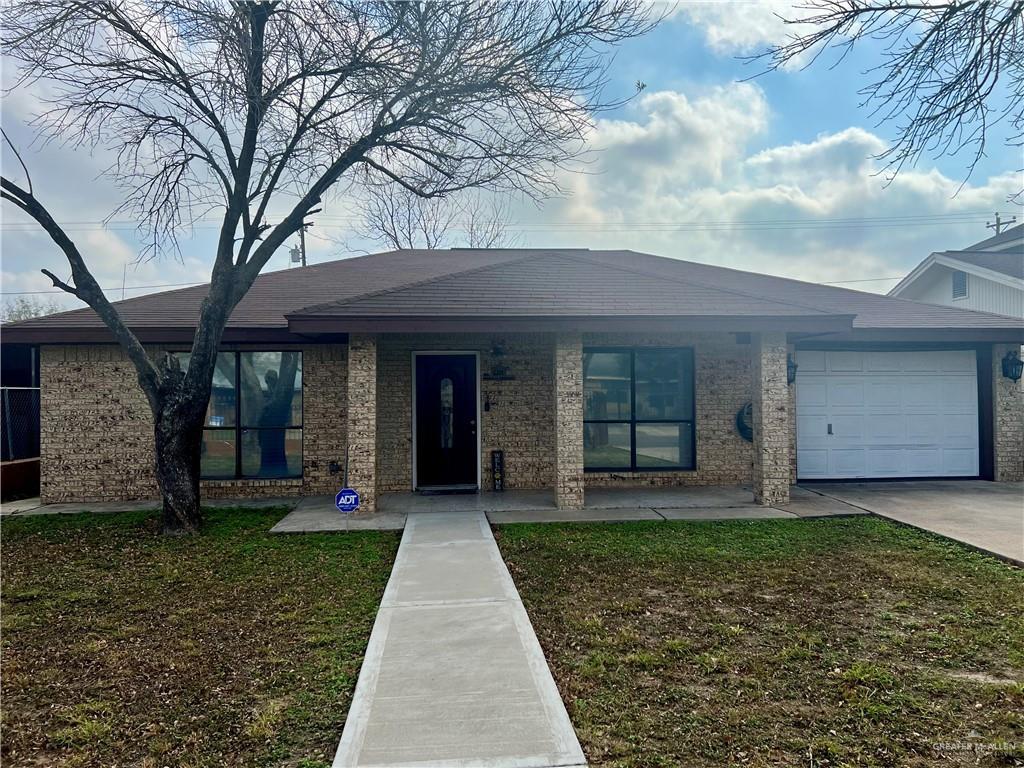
point(446, 456)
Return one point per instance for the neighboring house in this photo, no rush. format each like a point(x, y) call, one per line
point(585, 368)
point(987, 276)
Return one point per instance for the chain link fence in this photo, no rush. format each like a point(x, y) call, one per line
point(19, 423)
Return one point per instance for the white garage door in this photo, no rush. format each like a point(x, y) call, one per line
point(886, 414)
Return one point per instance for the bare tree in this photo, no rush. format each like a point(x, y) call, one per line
point(950, 71)
point(395, 217)
point(22, 308)
point(255, 111)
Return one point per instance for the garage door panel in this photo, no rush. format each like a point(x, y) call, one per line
point(811, 429)
point(961, 393)
point(885, 463)
point(923, 461)
point(884, 427)
point(924, 427)
point(809, 360)
point(812, 393)
point(882, 362)
point(847, 462)
point(887, 393)
point(839, 362)
point(962, 462)
point(813, 462)
point(893, 414)
point(961, 429)
point(845, 393)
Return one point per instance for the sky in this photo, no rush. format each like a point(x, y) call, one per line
point(774, 174)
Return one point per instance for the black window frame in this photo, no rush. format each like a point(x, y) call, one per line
point(633, 421)
point(238, 428)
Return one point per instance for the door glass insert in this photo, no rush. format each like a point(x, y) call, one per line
point(447, 409)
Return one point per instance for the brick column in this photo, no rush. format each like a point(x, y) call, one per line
point(772, 416)
point(1007, 419)
point(568, 375)
point(362, 418)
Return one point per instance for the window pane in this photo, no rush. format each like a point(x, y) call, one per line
point(663, 445)
point(272, 452)
point(663, 384)
point(606, 445)
point(606, 384)
point(221, 410)
point(271, 388)
point(218, 453)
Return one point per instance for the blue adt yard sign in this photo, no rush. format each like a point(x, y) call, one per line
point(347, 501)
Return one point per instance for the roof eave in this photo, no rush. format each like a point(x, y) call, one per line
point(170, 335)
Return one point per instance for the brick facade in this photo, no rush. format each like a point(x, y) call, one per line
point(568, 418)
point(1007, 419)
point(96, 431)
point(515, 410)
point(772, 419)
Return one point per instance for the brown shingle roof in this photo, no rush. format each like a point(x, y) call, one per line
point(514, 283)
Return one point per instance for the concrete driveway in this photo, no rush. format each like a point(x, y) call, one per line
point(984, 515)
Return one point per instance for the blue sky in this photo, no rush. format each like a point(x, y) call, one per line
point(699, 145)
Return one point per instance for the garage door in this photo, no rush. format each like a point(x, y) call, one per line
point(886, 414)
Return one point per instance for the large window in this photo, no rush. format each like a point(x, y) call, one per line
point(638, 409)
point(253, 423)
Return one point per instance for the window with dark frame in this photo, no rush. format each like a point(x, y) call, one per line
point(638, 409)
point(959, 284)
point(253, 427)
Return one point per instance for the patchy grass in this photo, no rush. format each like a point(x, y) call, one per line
point(124, 647)
point(850, 642)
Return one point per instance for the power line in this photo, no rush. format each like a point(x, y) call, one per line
point(866, 280)
point(115, 288)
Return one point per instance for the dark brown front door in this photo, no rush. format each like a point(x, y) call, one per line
point(446, 441)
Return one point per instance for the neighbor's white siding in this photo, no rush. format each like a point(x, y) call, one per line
point(936, 287)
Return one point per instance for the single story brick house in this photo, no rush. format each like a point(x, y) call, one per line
point(583, 368)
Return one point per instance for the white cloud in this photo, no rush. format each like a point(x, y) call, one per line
point(740, 26)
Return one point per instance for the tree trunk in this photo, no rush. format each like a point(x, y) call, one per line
point(177, 472)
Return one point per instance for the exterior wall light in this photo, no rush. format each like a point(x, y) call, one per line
point(1013, 366)
point(791, 367)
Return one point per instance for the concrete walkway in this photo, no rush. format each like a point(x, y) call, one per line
point(453, 674)
point(986, 516)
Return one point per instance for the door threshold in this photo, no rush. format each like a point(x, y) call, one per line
point(436, 490)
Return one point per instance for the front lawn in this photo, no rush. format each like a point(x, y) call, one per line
point(777, 643)
point(124, 647)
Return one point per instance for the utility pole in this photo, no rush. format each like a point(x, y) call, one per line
point(298, 255)
point(999, 224)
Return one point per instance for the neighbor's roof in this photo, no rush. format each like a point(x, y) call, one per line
point(1011, 238)
point(512, 288)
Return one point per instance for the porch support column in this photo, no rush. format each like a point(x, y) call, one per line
point(772, 417)
point(1007, 422)
point(568, 374)
point(362, 418)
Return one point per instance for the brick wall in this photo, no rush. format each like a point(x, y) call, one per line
point(772, 400)
point(722, 382)
point(568, 368)
point(1007, 419)
point(97, 432)
point(518, 420)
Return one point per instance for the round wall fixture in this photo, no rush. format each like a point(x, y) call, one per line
point(745, 422)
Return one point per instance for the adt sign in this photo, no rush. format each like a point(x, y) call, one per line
point(347, 501)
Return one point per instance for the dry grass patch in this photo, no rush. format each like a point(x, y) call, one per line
point(850, 642)
point(123, 647)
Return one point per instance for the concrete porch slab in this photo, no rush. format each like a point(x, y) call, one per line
point(573, 515)
point(668, 497)
point(317, 514)
point(28, 507)
point(724, 513)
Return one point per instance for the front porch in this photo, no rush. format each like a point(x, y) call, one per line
point(572, 435)
point(317, 514)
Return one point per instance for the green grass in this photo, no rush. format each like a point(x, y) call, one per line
point(849, 642)
point(124, 647)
